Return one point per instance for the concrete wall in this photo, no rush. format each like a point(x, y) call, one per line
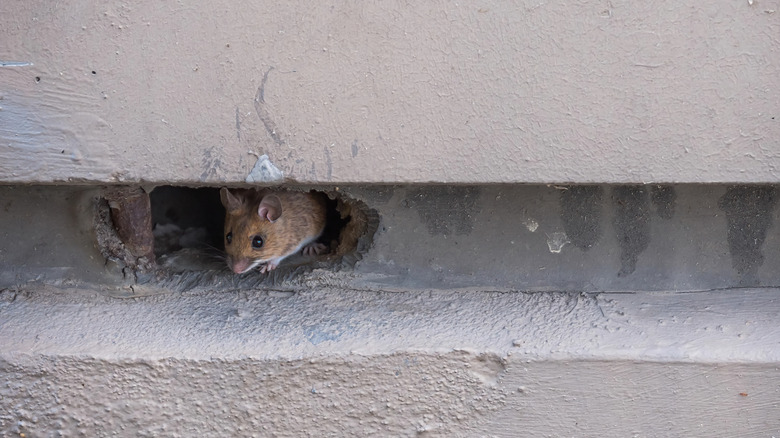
point(436, 332)
point(337, 92)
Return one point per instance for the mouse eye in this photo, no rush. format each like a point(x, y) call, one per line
point(229, 237)
point(257, 242)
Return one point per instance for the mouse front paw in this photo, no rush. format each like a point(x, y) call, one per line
point(313, 249)
point(268, 267)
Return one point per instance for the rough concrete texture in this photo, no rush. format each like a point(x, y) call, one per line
point(330, 362)
point(337, 92)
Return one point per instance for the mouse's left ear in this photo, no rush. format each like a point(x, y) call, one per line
point(230, 201)
point(270, 208)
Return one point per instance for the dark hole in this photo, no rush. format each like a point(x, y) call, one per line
point(37, 79)
point(188, 224)
point(94, 72)
point(184, 217)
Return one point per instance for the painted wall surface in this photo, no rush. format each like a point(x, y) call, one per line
point(531, 91)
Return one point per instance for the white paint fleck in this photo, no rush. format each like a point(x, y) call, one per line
point(15, 64)
point(264, 171)
point(556, 241)
point(531, 224)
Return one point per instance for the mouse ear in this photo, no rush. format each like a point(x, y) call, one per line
point(270, 208)
point(230, 201)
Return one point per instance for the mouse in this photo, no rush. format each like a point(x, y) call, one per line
point(265, 226)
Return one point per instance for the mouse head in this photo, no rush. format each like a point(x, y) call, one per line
point(252, 232)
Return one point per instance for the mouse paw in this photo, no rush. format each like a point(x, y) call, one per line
point(313, 249)
point(268, 267)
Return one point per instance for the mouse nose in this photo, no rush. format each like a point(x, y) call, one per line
point(239, 266)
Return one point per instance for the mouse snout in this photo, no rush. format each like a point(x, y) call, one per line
point(239, 266)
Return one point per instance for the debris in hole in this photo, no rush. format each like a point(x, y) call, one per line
point(170, 237)
point(186, 218)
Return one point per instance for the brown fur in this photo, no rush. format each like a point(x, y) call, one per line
point(302, 219)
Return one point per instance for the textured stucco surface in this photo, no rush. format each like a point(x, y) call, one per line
point(606, 91)
point(327, 362)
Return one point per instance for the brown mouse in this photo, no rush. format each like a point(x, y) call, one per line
point(263, 227)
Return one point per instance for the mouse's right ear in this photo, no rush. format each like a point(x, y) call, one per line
point(231, 202)
point(270, 208)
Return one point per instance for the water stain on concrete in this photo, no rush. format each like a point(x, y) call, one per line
point(749, 215)
point(445, 209)
point(631, 224)
point(663, 198)
point(581, 215)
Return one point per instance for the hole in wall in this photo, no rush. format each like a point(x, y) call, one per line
point(188, 220)
point(186, 226)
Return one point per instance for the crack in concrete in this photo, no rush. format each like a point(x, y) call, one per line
point(262, 111)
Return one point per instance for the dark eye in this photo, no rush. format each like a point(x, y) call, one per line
point(257, 242)
point(229, 237)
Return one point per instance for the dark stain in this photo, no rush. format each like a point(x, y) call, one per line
point(354, 148)
point(445, 209)
point(749, 216)
point(663, 198)
point(210, 164)
point(262, 111)
point(631, 224)
point(581, 215)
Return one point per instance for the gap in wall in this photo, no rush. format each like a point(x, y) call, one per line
point(187, 226)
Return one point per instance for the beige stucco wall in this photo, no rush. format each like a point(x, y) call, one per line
point(532, 91)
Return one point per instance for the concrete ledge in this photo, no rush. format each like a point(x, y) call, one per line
point(475, 363)
point(524, 237)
